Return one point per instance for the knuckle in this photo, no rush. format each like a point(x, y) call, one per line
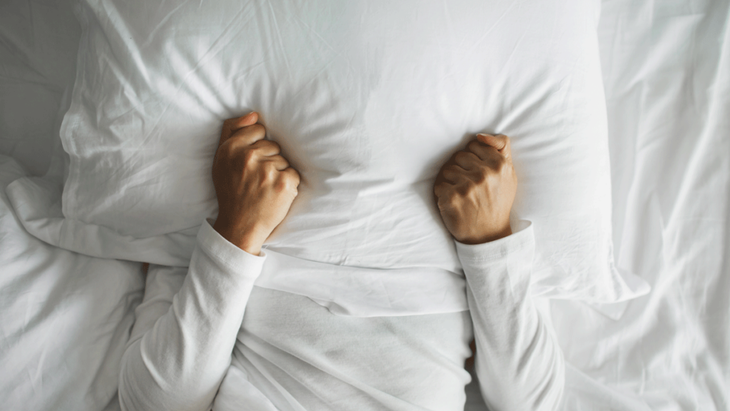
point(224, 149)
point(267, 144)
point(452, 169)
point(249, 156)
point(439, 190)
point(452, 200)
point(234, 143)
point(288, 182)
point(269, 172)
point(274, 145)
point(462, 156)
point(294, 177)
point(269, 165)
point(258, 150)
point(473, 146)
point(507, 142)
point(258, 128)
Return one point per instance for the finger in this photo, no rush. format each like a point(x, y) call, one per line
point(484, 152)
point(293, 175)
point(449, 199)
point(467, 160)
point(442, 188)
point(507, 150)
point(279, 162)
point(266, 147)
point(453, 173)
point(248, 135)
point(498, 142)
point(232, 125)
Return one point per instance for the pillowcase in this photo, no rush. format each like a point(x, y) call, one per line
point(367, 100)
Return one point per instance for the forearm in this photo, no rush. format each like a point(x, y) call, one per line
point(180, 359)
point(518, 362)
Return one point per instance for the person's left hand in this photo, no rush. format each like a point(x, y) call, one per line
point(475, 190)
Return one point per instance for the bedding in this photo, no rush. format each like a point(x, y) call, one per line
point(367, 100)
point(291, 354)
point(64, 318)
point(38, 45)
point(665, 68)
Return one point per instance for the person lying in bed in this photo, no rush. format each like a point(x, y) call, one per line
point(192, 347)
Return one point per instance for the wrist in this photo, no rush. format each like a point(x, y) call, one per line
point(249, 239)
point(487, 237)
point(505, 232)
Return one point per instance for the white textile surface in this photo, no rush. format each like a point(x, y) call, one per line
point(38, 43)
point(367, 102)
point(665, 66)
point(64, 318)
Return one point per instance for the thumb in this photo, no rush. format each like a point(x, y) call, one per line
point(245, 120)
point(232, 125)
point(500, 142)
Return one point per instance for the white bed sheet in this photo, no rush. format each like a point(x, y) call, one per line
point(64, 318)
point(666, 67)
point(667, 76)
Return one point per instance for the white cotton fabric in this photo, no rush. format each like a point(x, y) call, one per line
point(206, 336)
point(367, 100)
point(667, 74)
point(39, 42)
point(65, 318)
point(665, 69)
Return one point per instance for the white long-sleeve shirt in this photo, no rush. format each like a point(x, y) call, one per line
point(192, 347)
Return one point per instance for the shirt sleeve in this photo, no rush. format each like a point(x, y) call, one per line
point(186, 327)
point(518, 361)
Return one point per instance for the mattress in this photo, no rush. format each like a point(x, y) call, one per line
point(666, 71)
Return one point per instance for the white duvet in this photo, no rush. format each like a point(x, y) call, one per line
point(64, 318)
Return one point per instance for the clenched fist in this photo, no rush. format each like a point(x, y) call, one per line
point(254, 184)
point(475, 190)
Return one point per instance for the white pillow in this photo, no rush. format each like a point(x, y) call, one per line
point(367, 100)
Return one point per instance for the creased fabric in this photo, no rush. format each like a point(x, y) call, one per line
point(212, 338)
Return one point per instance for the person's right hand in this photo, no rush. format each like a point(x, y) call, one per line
point(254, 184)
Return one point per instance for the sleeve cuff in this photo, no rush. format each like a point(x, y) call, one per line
point(227, 254)
point(478, 254)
